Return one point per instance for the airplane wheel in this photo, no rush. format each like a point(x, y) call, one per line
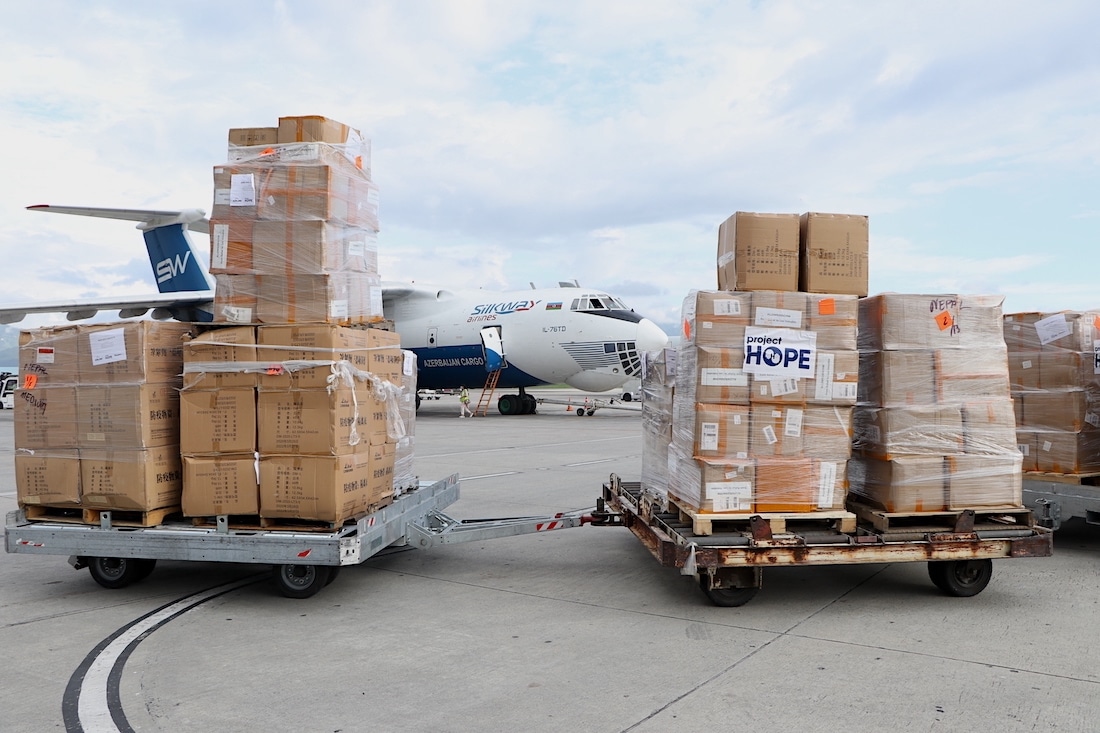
point(509, 404)
point(530, 405)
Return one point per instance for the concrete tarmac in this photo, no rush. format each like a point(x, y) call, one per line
point(574, 630)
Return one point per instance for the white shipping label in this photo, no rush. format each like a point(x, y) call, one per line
point(780, 387)
point(107, 346)
point(780, 352)
point(736, 419)
point(792, 426)
point(730, 496)
point(221, 197)
point(44, 355)
point(219, 250)
point(1047, 445)
point(408, 366)
point(723, 377)
point(769, 435)
point(778, 317)
point(727, 307)
point(1092, 419)
point(707, 325)
point(234, 314)
point(823, 376)
point(1053, 328)
point(357, 248)
point(338, 309)
point(1025, 449)
point(708, 436)
point(242, 189)
point(1096, 357)
point(1026, 364)
point(844, 391)
point(826, 485)
point(375, 300)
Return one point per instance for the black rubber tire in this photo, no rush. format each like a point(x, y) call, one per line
point(961, 578)
point(114, 572)
point(730, 597)
point(300, 581)
point(627, 397)
point(509, 404)
point(580, 412)
point(145, 568)
point(530, 404)
point(333, 571)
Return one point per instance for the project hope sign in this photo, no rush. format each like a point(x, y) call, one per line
point(780, 352)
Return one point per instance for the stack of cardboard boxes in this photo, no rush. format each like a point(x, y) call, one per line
point(97, 417)
point(935, 428)
point(765, 377)
point(1055, 377)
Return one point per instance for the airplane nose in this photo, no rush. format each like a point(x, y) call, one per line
point(650, 336)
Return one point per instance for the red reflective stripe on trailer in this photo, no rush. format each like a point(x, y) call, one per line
point(304, 553)
point(545, 526)
point(370, 521)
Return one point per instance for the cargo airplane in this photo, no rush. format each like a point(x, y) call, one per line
point(570, 335)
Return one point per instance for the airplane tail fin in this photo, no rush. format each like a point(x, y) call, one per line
point(173, 260)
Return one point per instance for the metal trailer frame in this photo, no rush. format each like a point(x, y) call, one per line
point(587, 406)
point(303, 562)
point(730, 566)
point(1055, 502)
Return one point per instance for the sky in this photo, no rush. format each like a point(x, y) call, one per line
point(518, 142)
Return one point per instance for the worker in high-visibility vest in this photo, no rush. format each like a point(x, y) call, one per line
point(464, 402)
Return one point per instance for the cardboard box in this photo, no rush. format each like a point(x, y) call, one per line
point(208, 358)
point(799, 485)
point(319, 488)
point(712, 375)
point(721, 431)
point(896, 378)
point(335, 192)
point(231, 247)
point(902, 484)
point(1060, 370)
point(223, 484)
point(833, 253)
point(381, 461)
point(758, 252)
point(48, 357)
point(716, 318)
point(1063, 331)
point(147, 352)
point(984, 481)
point(835, 320)
point(321, 343)
point(990, 428)
point(1023, 370)
point(967, 375)
point(47, 478)
point(1070, 410)
point(131, 480)
point(312, 248)
point(780, 309)
point(915, 430)
point(835, 382)
point(337, 298)
point(218, 421)
point(316, 422)
point(315, 128)
point(236, 299)
point(45, 418)
point(128, 416)
point(776, 431)
point(711, 485)
point(253, 135)
point(896, 322)
point(1027, 445)
point(827, 432)
point(1065, 451)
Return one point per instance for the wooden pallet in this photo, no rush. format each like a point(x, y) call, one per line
point(1077, 479)
point(66, 514)
point(947, 520)
point(121, 518)
point(705, 523)
point(234, 521)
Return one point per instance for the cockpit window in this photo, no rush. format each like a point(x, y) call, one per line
point(597, 302)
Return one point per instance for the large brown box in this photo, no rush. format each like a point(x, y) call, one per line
point(827, 432)
point(716, 318)
point(714, 374)
point(1068, 370)
point(45, 417)
point(47, 478)
point(341, 298)
point(835, 320)
point(253, 135)
point(835, 382)
point(380, 461)
point(1063, 331)
point(1028, 447)
point(711, 485)
point(147, 352)
point(799, 485)
point(321, 488)
point(971, 374)
point(315, 128)
point(902, 484)
point(231, 246)
point(356, 346)
point(897, 321)
point(316, 421)
point(833, 253)
point(1064, 410)
point(1024, 370)
point(218, 421)
point(131, 480)
point(236, 299)
point(208, 358)
point(896, 378)
point(295, 192)
point(48, 356)
point(222, 484)
point(128, 416)
point(1064, 451)
point(916, 430)
point(721, 431)
point(990, 428)
point(312, 248)
point(758, 252)
point(776, 431)
point(984, 481)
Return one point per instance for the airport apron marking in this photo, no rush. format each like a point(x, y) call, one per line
point(92, 703)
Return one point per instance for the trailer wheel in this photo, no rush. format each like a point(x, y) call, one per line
point(145, 567)
point(333, 571)
point(580, 412)
point(300, 581)
point(730, 597)
point(961, 578)
point(114, 572)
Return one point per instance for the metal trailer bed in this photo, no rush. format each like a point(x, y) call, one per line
point(303, 561)
point(730, 565)
point(1056, 498)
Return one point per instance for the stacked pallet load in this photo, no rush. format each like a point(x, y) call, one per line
point(658, 382)
point(97, 421)
point(935, 427)
point(295, 402)
point(1055, 379)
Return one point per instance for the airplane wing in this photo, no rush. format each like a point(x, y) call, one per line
point(394, 291)
point(163, 305)
point(194, 219)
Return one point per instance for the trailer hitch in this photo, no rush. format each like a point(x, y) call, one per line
point(600, 517)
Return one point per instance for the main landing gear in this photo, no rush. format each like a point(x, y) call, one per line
point(517, 404)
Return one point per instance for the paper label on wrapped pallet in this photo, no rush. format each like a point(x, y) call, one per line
point(823, 377)
point(242, 189)
point(727, 307)
point(844, 391)
point(107, 346)
point(792, 425)
point(780, 352)
point(1096, 357)
point(221, 197)
point(1024, 449)
point(1053, 328)
point(357, 248)
point(708, 436)
point(1092, 419)
point(723, 377)
point(234, 314)
point(1047, 445)
point(408, 366)
point(730, 496)
point(338, 309)
point(44, 355)
point(780, 387)
point(826, 485)
point(376, 300)
point(778, 317)
point(736, 419)
point(769, 435)
point(219, 252)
